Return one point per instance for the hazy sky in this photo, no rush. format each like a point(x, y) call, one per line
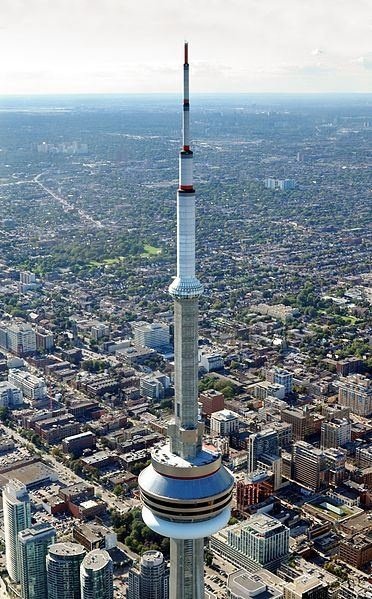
point(53, 46)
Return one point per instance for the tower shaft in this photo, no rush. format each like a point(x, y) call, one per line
point(186, 569)
point(186, 492)
point(185, 433)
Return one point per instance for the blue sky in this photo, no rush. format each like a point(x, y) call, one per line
point(66, 46)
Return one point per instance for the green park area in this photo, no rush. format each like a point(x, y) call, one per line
point(151, 250)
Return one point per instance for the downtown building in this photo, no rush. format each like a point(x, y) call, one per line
point(224, 423)
point(154, 335)
point(32, 387)
point(306, 587)
point(264, 455)
point(150, 578)
point(265, 442)
point(309, 466)
point(18, 338)
point(335, 433)
point(316, 469)
point(63, 570)
point(355, 392)
point(260, 542)
point(10, 395)
point(281, 376)
point(17, 517)
point(96, 575)
point(260, 585)
point(33, 545)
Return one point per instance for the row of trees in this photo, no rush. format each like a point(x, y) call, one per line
point(132, 531)
point(223, 385)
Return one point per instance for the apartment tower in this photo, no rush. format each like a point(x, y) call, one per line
point(17, 517)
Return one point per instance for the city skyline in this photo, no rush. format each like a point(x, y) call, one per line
point(118, 47)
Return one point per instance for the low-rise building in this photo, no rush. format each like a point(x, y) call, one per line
point(244, 585)
point(211, 401)
point(356, 550)
point(11, 396)
point(306, 587)
point(32, 387)
point(76, 444)
point(94, 536)
point(224, 423)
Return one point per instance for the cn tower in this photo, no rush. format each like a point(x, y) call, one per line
point(185, 491)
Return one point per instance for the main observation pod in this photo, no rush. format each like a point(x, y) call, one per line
point(185, 499)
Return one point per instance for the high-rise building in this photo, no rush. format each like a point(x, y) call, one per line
point(260, 542)
point(44, 340)
point(63, 570)
point(270, 183)
point(186, 492)
point(281, 377)
point(301, 421)
point(150, 578)
point(96, 575)
point(27, 278)
point(33, 549)
point(263, 442)
point(285, 184)
point(335, 433)
point(21, 339)
point(355, 391)
point(17, 517)
point(309, 465)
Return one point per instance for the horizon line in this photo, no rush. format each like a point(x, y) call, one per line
point(139, 93)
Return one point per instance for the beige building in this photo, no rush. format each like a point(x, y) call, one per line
point(355, 391)
point(306, 587)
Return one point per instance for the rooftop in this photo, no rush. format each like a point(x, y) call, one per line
point(96, 560)
point(66, 549)
point(247, 585)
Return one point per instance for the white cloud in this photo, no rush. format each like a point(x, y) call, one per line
point(126, 45)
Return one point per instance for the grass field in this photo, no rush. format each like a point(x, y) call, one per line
point(151, 250)
point(108, 261)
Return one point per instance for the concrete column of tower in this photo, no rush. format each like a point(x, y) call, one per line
point(186, 376)
point(187, 560)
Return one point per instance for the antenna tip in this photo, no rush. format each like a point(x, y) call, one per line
point(186, 53)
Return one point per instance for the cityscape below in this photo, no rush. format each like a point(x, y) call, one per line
point(185, 384)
